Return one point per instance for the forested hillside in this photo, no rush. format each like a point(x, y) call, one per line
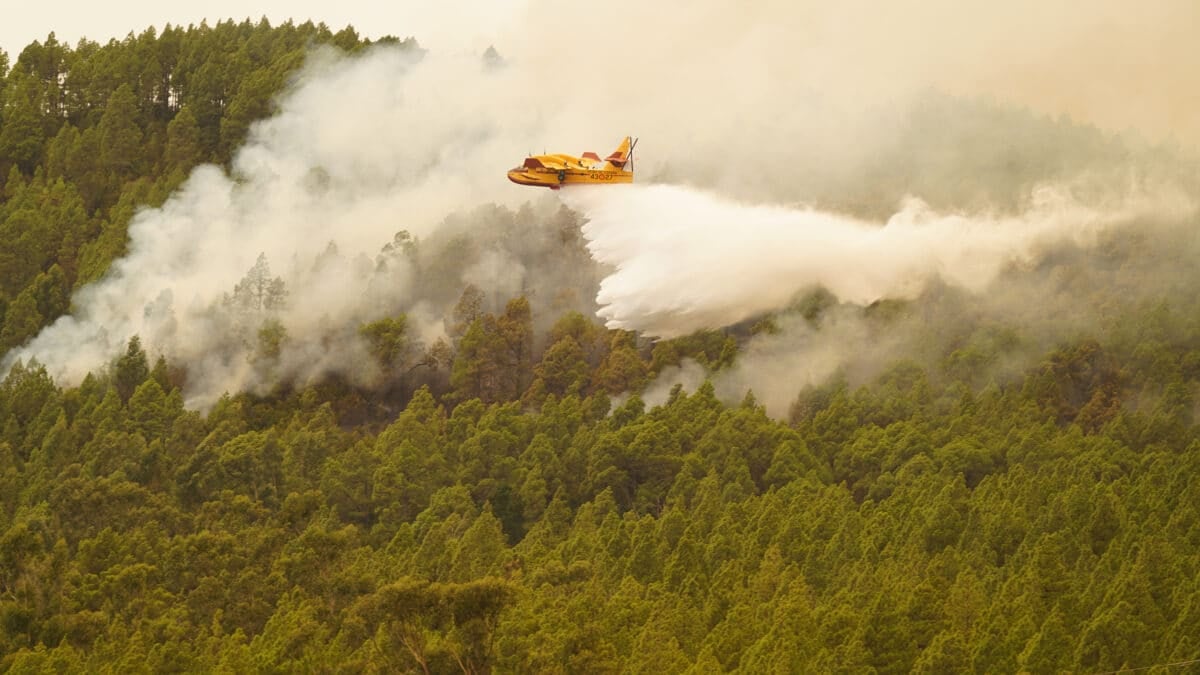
point(529, 494)
point(90, 133)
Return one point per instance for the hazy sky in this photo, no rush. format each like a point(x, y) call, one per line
point(1117, 64)
point(476, 21)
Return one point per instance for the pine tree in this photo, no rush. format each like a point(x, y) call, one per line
point(22, 136)
point(22, 321)
point(132, 369)
point(183, 142)
point(119, 134)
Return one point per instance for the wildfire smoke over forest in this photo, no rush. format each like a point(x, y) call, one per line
point(782, 151)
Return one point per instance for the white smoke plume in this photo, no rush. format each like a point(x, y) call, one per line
point(352, 158)
point(687, 260)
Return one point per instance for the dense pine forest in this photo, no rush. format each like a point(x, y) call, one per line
point(530, 494)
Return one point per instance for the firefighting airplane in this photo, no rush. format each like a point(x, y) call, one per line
point(555, 171)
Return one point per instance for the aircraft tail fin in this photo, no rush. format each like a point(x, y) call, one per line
point(622, 154)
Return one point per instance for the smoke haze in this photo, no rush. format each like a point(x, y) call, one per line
point(862, 149)
point(687, 260)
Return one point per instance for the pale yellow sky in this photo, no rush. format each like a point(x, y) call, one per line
point(435, 23)
point(1113, 63)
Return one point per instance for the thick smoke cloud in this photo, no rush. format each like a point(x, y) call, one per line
point(842, 146)
point(359, 151)
point(687, 260)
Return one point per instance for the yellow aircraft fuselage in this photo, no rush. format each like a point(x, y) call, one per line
point(555, 171)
